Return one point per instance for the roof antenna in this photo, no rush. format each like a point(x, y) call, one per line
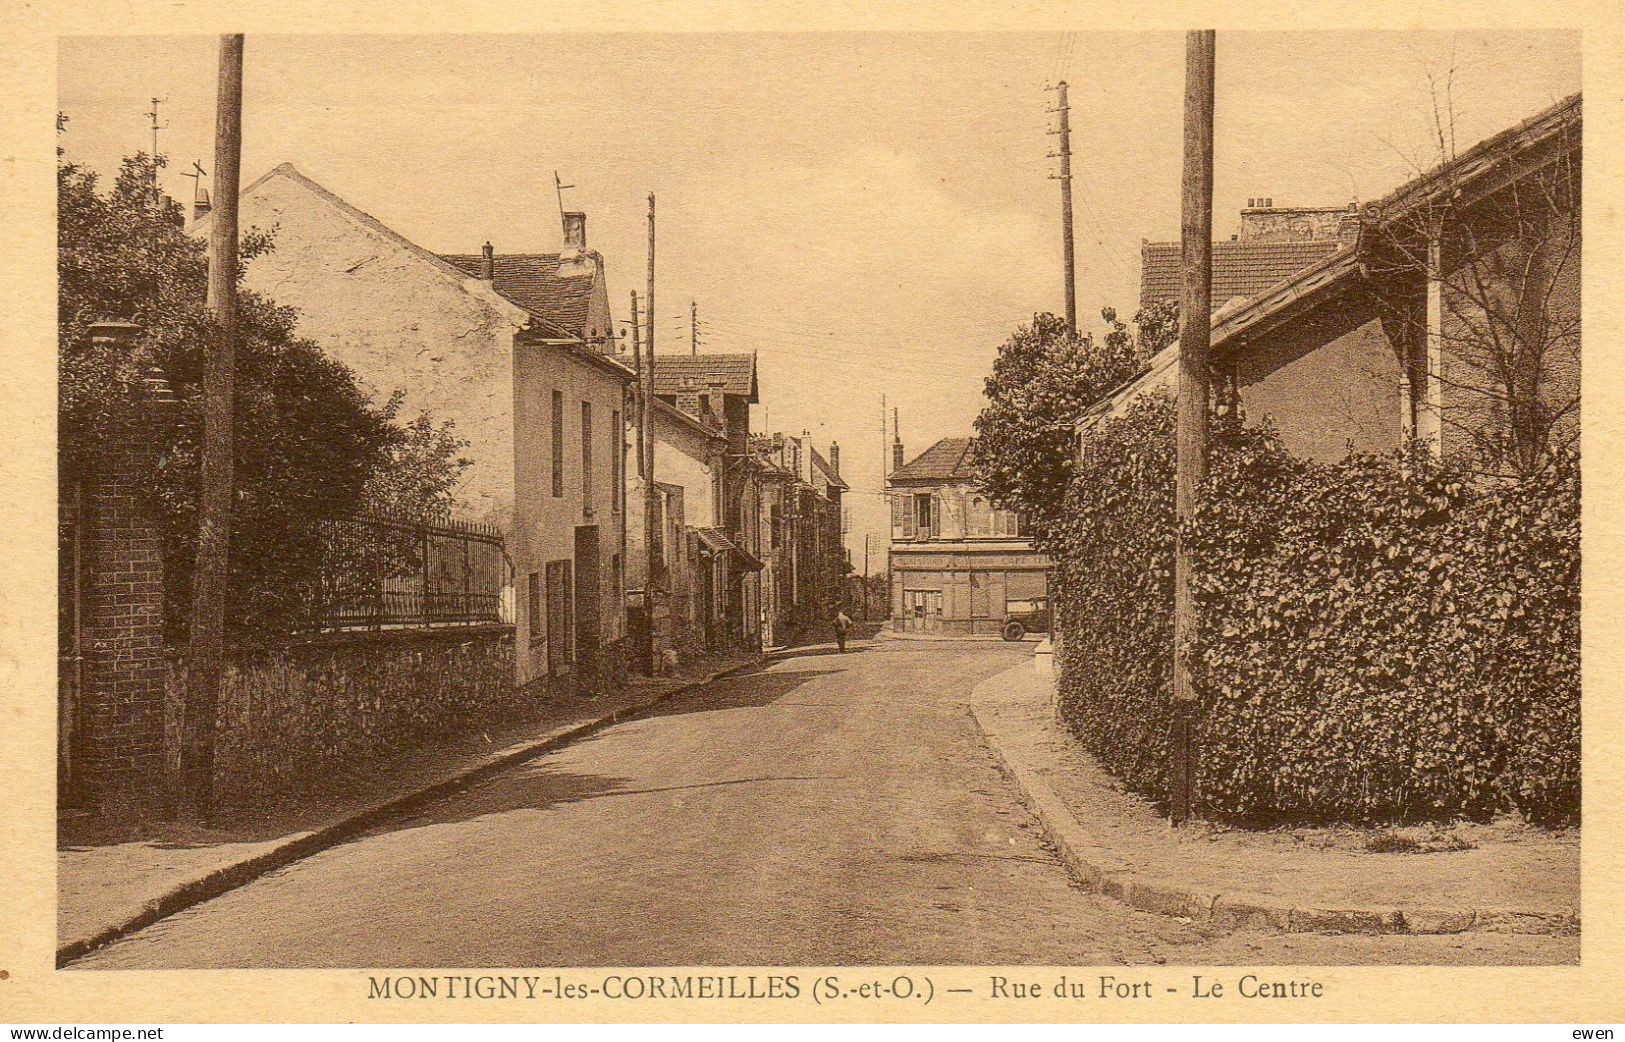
point(559, 187)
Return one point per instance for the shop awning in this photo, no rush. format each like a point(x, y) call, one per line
point(718, 542)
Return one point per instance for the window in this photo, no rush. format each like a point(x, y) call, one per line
point(558, 443)
point(980, 518)
point(902, 516)
point(533, 608)
point(617, 459)
point(560, 609)
point(586, 458)
point(922, 515)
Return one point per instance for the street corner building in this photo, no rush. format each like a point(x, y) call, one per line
point(1448, 311)
point(959, 565)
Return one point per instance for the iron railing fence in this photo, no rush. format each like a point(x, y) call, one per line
point(379, 571)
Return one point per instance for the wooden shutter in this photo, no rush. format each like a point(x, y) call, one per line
point(586, 458)
point(558, 443)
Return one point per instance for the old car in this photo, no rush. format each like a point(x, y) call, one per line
point(1024, 617)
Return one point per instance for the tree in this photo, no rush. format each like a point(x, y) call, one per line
point(309, 444)
point(1045, 375)
point(1508, 271)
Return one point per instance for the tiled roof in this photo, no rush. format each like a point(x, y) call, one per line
point(1240, 269)
point(829, 472)
point(532, 281)
point(947, 460)
point(675, 373)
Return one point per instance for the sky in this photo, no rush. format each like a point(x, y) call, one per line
point(870, 212)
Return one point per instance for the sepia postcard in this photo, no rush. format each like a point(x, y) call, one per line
point(751, 514)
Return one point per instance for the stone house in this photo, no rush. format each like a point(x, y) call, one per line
point(1449, 314)
point(438, 328)
point(802, 513)
point(957, 562)
point(719, 390)
point(515, 350)
point(690, 457)
point(569, 538)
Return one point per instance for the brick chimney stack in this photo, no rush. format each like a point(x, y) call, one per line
point(488, 263)
point(575, 230)
point(897, 453)
point(200, 203)
point(835, 457)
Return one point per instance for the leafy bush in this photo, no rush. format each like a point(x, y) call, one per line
point(1385, 639)
point(308, 443)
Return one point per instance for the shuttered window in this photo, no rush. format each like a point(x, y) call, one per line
point(617, 459)
point(560, 609)
point(558, 443)
point(586, 458)
point(533, 608)
point(903, 515)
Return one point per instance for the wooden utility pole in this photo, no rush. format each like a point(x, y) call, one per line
point(205, 650)
point(693, 327)
point(1195, 328)
point(1065, 177)
point(643, 416)
point(651, 501)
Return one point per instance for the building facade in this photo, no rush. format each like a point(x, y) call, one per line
point(569, 539)
point(515, 351)
point(959, 564)
point(1451, 314)
point(439, 329)
point(802, 517)
point(717, 391)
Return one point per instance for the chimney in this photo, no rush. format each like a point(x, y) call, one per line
point(688, 398)
point(835, 458)
point(897, 454)
point(488, 263)
point(575, 230)
point(200, 203)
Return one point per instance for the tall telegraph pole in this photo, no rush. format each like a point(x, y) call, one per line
point(693, 327)
point(210, 577)
point(643, 417)
point(1195, 309)
point(1064, 130)
point(651, 501)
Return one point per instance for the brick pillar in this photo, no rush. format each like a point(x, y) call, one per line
point(121, 715)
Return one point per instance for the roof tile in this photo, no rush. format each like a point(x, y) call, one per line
point(947, 460)
point(1240, 269)
point(532, 281)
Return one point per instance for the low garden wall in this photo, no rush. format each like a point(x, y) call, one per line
point(297, 715)
point(1380, 640)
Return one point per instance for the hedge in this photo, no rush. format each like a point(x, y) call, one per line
point(1382, 640)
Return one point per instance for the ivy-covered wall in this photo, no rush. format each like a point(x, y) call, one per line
point(1384, 639)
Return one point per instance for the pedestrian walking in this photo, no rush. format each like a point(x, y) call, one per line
point(843, 624)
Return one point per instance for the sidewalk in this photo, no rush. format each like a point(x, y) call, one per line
point(1503, 876)
point(113, 877)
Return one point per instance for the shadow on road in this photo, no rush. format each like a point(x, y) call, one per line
point(744, 691)
point(539, 785)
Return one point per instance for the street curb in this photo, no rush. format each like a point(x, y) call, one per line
point(230, 877)
point(1070, 840)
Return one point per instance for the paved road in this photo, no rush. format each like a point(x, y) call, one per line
point(829, 810)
